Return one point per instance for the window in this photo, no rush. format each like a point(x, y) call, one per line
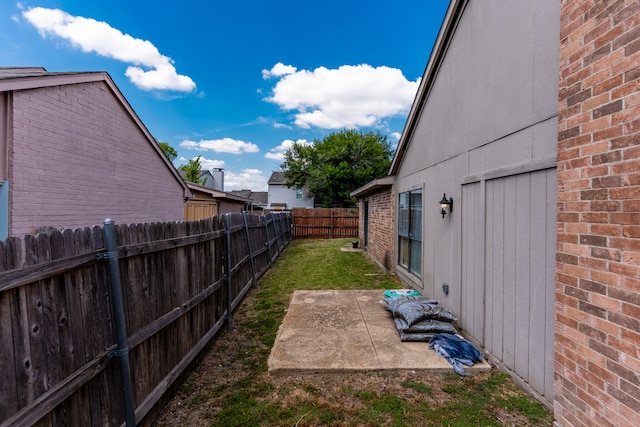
point(410, 231)
point(298, 193)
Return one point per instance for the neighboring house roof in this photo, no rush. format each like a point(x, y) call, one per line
point(203, 174)
point(277, 178)
point(7, 72)
point(260, 197)
point(21, 78)
point(206, 178)
point(242, 193)
point(257, 197)
point(449, 24)
point(218, 194)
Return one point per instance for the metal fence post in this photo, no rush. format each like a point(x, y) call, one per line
point(283, 231)
point(122, 351)
point(251, 261)
point(290, 227)
point(278, 227)
point(266, 229)
point(276, 235)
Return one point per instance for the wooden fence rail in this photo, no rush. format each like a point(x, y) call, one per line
point(325, 223)
point(180, 284)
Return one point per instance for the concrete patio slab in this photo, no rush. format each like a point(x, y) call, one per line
point(346, 331)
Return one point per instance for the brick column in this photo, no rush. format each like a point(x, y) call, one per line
point(597, 350)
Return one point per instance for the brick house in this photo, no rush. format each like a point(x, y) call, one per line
point(73, 152)
point(541, 249)
point(375, 223)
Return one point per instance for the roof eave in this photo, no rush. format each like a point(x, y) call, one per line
point(440, 47)
point(375, 185)
point(218, 194)
point(34, 81)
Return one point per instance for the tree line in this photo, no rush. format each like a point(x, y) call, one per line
point(329, 168)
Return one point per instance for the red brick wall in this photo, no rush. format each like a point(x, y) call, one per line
point(597, 351)
point(381, 234)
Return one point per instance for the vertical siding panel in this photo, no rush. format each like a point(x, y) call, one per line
point(471, 235)
point(510, 262)
point(537, 294)
point(472, 292)
point(518, 272)
point(488, 269)
point(465, 301)
point(478, 253)
point(550, 283)
point(432, 233)
point(497, 241)
point(523, 255)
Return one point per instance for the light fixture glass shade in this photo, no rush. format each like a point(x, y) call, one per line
point(445, 204)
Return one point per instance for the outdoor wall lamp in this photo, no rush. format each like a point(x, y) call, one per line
point(444, 202)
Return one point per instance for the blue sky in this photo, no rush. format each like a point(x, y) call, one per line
point(238, 82)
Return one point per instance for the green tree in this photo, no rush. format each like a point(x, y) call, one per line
point(192, 171)
point(337, 165)
point(169, 151)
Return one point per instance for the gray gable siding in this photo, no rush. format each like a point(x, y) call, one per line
point(499, 77)
point(485, 123)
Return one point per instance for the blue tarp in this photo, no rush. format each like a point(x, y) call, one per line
point(456, 350)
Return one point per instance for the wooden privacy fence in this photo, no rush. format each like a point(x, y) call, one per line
point(325, 223)
point(180, 282)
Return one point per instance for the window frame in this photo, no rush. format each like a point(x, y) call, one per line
point(409, 232)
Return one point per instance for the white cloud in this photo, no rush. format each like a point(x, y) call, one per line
point(211, 164)
point(95, 36)
point(204, 162)
point(278, 70)
point(281, 126)
point(396, 135)
point(253, 179)
point(351, 96)
point(224, 145)
point(253, 171)
point(277, 153)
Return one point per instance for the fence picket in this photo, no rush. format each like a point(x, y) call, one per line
point(56, 316)
point(325, 223)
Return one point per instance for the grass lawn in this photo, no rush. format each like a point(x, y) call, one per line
point(231, 386)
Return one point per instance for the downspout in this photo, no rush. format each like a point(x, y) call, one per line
point(4, 209)
point(5, 132)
